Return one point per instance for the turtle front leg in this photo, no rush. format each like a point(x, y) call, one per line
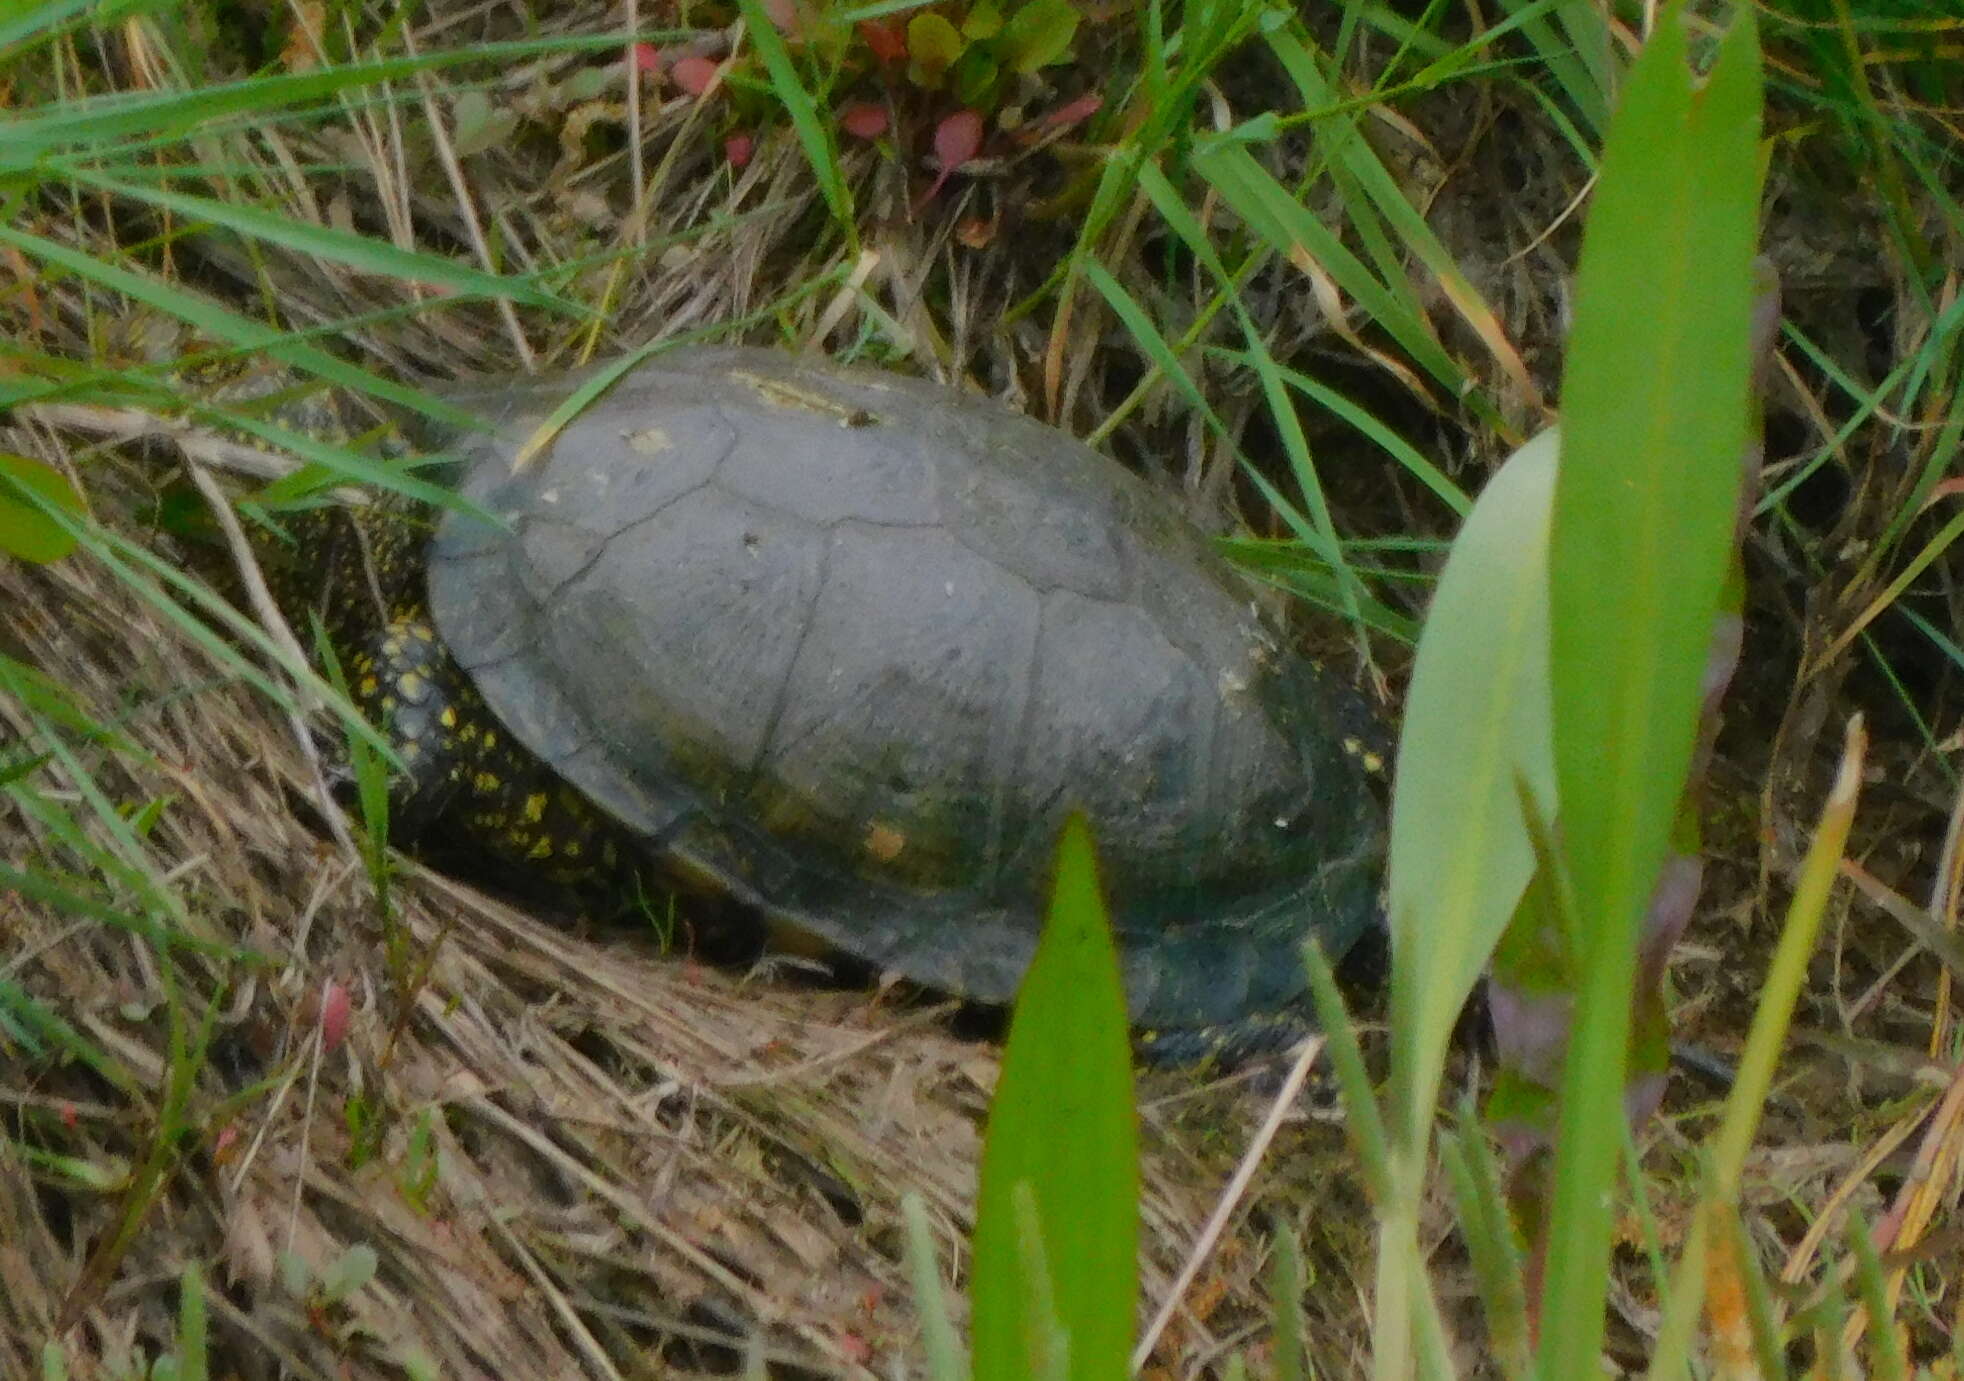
point(469, 789)
point(407, 685)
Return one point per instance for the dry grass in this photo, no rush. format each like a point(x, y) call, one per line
point(630, 1155)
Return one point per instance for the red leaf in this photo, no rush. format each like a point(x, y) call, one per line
point(738, 147)
point(694, 74)
point(647, 58)
point(957, 139)
point(888, 41)
point(336, 1009)
point(863, 119)
point(1073, 112)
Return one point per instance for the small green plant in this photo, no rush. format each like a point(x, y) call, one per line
point(421, 1163)
point(971, 51)
point(367, 1125)
point(189, 1360)
point(940, 79)
point(325, 1293)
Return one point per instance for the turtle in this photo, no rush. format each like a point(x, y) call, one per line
point(847, 646)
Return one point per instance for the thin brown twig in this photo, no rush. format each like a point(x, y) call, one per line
point(1230, 1200)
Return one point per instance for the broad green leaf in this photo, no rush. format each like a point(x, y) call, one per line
point(982, 22)
point(933, 44)
point(1039, 34)
point(1476, 730)
point(976, 76)
point(1062, 1137)
point(26, 531)
point(1657, 399)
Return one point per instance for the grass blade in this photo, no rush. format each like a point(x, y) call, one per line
point(814, 133)
point(362, 252)
point(228, 326)
point(1785, 978)
point(944, 1358)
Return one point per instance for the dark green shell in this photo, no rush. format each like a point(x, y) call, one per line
point(850, 646)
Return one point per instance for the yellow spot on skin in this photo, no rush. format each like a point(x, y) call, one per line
point(884, 842)
point(535, 807)
point(411, 685)
point(369, 685)
point(388, 704)
point(542, 849)
point(487, 782)
point(573, 849)
point(1373, 762)
point(448, 718)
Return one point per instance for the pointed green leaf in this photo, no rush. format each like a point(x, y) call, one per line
point(1063, 1135)
point(1657, 399)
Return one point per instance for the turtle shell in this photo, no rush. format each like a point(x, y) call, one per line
point(850, 646)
